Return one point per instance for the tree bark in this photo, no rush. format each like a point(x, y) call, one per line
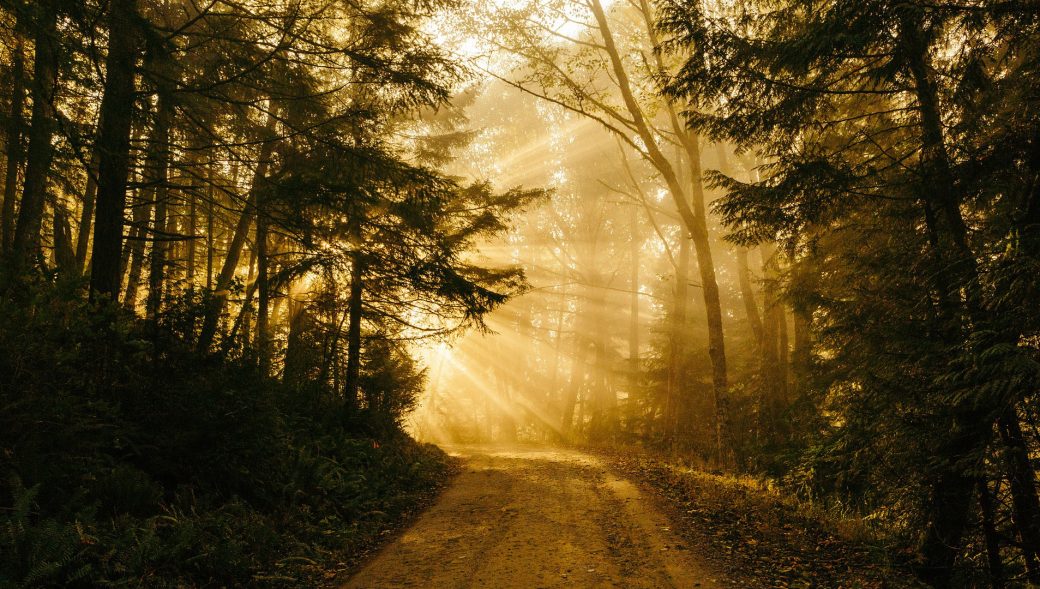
point(263, 292)
point(238, 240)
point(114, 149)
point(694, 217)
point(633, 310)
point(951, 488)
point(992, 538)
point(64, 255)
point(1024, 501)
point(15, 153)
point(677, 342)
point(353, 376)
point(142, 217)
point(86, 216)
point(159, 170)
point(747, 294)
point(26, 240)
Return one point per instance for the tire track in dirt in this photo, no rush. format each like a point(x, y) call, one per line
point(536, 518)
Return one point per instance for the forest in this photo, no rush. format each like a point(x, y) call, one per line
point(689, 292)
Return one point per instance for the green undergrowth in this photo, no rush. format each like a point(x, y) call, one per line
point(757, 535)
point(129, 460)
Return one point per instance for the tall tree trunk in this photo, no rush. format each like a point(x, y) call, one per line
point(747, 294)
point(951, 488)
point(160, 170)
point(114, 147)
point(1024, 501)
point(192, 234)
point(64, 255)
point(693, 213)
point(992, 538)
point(26, 240)
point(15, 153)
point(774, 341)
point(578, 360)
point(263, 290)
point(633, 309)
point(142, 207)
point(353, 376)
point(712, 307)
point(238, 240)
point(677, 336)
point(86, 215)
point(210, 238)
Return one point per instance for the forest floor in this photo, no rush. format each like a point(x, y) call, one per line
point(537, 517)
point(755, 536)
point(532, 517)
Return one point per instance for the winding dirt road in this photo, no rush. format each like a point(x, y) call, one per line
point(536, 518)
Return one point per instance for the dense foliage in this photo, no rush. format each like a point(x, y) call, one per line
point(134, 463)
point(217, 244)
point(899, 174)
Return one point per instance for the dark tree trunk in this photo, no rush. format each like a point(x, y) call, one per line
point(353, 376)
point(263, 292)
point(747, 294)
point(949, 506)
point(159, 175)
point(210, 238)
point(114, 149)
point(694, 217)
point(86, 216)
point(41, 133)
point(14, 151)
point(64, 255)
point(1024, 501)
point(238, 240)
point(951, 488)
point(144, 203)
point(989, 531)
point(192, 234)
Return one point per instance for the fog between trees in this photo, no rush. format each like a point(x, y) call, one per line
point(796, 240)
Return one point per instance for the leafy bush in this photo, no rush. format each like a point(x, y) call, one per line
point(131, 461)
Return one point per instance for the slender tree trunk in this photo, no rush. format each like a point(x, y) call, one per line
point(210, 241)
point(64, 255)
point(15, 153)
point(989, 531)
point(747, 294)
point(238, 240)
point(802, 358)
point(26, 240)
point(192, 234)
point(114, 148)
point(86, 215)
point(577, 376)
point(694, 215)
point(138, 236)
point(633, 310)
point(1024, 501)
point(248, 310)
point(264, 292)
point(713, 309)
point(774, 344)
point(141, 221)
point(353, 377)
point(160, 170)
point(677, 348)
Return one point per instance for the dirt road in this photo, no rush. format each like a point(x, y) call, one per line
point(531, 518)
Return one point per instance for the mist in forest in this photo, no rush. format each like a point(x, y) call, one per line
point(263, 262)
